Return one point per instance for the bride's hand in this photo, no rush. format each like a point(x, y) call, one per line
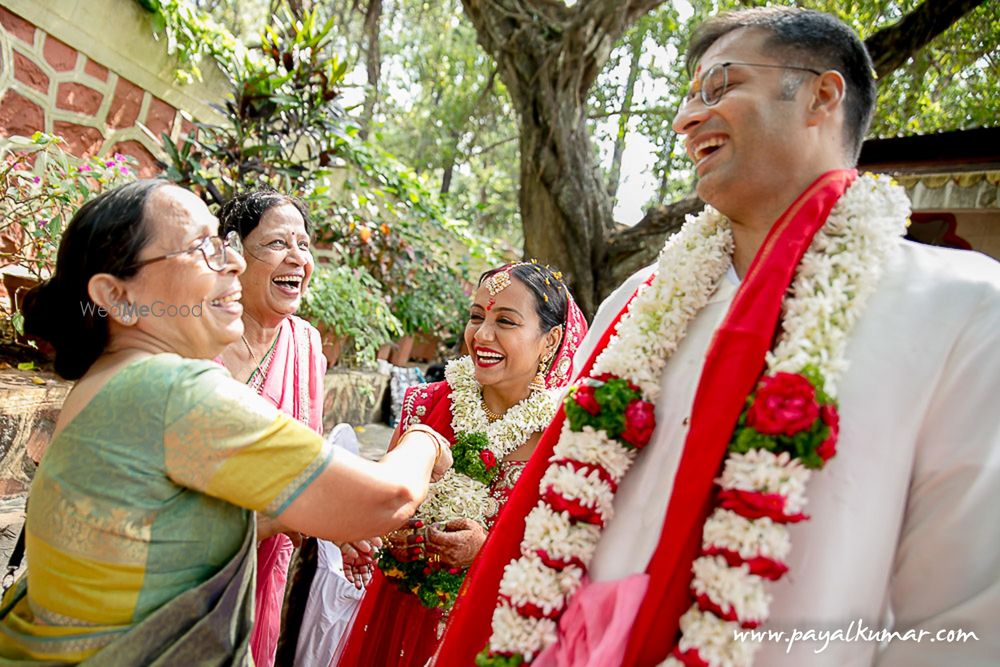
point(444, 463)
point(457, 544)
point(409, 542)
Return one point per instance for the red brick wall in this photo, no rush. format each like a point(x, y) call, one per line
point(46, 85)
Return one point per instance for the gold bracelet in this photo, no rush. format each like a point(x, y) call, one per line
point(435, 436)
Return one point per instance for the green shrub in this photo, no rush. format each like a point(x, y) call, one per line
point(350, 303)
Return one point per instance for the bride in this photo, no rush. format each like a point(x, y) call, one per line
point(523, 330)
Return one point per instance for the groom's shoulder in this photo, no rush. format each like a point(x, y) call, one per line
point(946, 272)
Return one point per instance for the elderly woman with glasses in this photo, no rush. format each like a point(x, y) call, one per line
point(279, 356)
point(140, 532)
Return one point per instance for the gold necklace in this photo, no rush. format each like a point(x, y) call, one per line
point(490, 415)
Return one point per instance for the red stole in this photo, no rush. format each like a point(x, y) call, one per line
point(732, 367)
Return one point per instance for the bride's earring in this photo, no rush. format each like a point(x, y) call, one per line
point(538, 384)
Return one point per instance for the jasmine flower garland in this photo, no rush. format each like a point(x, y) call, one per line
point(464, 493)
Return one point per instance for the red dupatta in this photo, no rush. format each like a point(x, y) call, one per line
point(732, 367)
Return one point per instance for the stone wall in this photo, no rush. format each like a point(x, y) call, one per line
point(92, 73)
point(353, 396)
point(29, 406)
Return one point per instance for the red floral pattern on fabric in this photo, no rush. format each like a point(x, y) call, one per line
point(503, 485)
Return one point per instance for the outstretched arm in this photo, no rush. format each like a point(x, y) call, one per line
point(353, 499)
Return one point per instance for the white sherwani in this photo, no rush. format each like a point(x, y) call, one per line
point(905, 528)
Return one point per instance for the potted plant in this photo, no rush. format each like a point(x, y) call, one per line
point(432, 307)
point(348, 303)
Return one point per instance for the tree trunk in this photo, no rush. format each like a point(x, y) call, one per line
point(548, 55)
point(373, 63)
point(448, 172)
point(891, 47)
point(564, 204)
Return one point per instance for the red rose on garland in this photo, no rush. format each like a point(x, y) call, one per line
point(488, 459)
point(584, 396)
point(828, 448)
point(785, 403)
point(640, 421)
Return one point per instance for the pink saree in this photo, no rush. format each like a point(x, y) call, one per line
point(294, 383)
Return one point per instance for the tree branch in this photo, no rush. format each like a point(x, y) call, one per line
point(631, 248)
point(373, 63)
point(891, 47)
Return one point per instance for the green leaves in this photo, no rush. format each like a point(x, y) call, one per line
point(611, 397)
point(473, 458)
point(191, 35)
point(350, 303)
point(41, 188)
point(435, 588)
point(285, 128)
point(484, 659)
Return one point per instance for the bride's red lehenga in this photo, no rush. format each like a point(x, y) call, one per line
point(392, 628)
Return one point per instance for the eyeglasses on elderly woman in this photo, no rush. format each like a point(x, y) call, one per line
point(213, 249)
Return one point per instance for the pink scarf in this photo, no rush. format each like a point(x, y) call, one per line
point(294, 383)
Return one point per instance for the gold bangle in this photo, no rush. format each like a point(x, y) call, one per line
point(436, 437)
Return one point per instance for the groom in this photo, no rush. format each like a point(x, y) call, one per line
point(902, 527)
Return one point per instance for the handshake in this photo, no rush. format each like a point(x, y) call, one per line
point(453, 545)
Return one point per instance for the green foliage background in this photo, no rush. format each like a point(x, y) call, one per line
point(441, 111)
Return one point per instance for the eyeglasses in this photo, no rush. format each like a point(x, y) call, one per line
point(713, 84)
point(213, 249)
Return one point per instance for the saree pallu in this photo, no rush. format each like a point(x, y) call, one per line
point(294, 384)
point(208, 625)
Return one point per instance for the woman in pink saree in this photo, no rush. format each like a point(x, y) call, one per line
point(280, 356)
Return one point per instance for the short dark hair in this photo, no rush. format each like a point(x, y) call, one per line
point(243, 212)
point(810, 39)
point(105, 236)
point(546, 285)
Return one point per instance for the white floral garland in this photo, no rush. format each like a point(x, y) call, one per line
point(509, 432)
point(456, 496)
point(689, 269)
point(832, 283)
